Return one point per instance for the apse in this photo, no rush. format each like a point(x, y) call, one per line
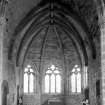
point(52, 46)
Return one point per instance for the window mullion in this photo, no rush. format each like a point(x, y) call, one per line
point(28, 81)
point(49, 83)
point(55, 83)
point(76, 82)
point(35, 85)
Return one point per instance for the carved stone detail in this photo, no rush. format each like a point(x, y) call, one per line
point(3, 4)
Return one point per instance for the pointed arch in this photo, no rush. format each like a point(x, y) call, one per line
point(76, 79)
point(53, 80)
point(29, 77)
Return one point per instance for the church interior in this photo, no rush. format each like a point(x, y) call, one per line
point(52, 52)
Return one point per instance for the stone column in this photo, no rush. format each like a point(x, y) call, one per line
point(2, 28)
point(102, 29)
point(1, 59)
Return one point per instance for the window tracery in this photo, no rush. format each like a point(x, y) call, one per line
point(29, 79)
point(53, 80)
point(76, 80)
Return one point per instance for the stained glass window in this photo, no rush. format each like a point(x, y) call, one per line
point(52, 80)
point(76, 80)
point(28, 80)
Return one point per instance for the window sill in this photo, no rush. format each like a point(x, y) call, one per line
point(75, 93)
point(52, 94)
point(29, 94)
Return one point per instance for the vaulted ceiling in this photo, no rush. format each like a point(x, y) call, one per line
point(48, 29)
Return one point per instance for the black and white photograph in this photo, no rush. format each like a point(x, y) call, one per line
point(52, 52)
